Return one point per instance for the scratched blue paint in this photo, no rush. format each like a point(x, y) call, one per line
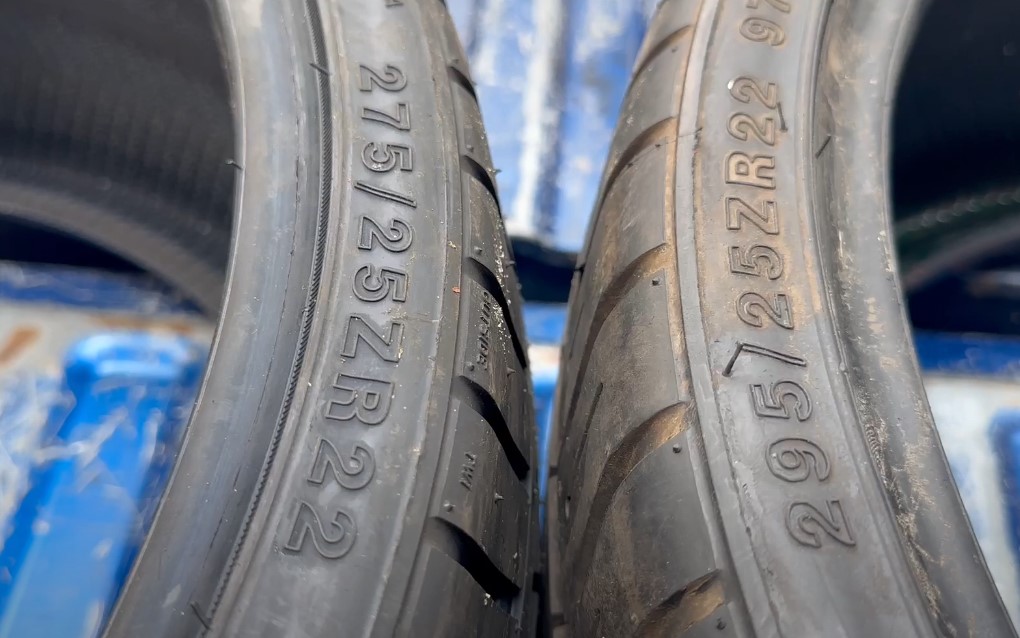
point(32, 405)
point(968, 354)
point(90, 289)
point(81, 523)
point(1005, 432)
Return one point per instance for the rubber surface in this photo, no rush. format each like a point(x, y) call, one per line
point(115, 126)
point(744, 447)
point(361, 458)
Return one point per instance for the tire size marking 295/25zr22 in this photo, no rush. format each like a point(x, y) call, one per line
point(753, 218)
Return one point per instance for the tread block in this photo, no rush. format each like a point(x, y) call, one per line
point(671, 17)
point(554, 572)
point(616, 243)
point(631, 551)
point(444, 583)
point(483, 497)
point(653, 97)
point(474, 142)
point(649, 552)
point(453, 51)
point(490, 366)
point(488, 247)
point(625, 384)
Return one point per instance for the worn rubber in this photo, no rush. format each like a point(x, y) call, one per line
point(396, 479)
point(361, 459)
point(743, 445)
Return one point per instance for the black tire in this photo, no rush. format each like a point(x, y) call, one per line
point(116, 128)
point(744, 447)
point(360, 460)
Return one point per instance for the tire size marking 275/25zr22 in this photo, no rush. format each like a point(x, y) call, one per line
point(360, 396)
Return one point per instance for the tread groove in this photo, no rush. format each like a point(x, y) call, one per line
point(458, 77)
point(461, 547)
point(481, 274)
point(688, 594)
point(479, 399)
point(579, 455)
point(479, 172)
point(667, 42)
point(666, 129)
point(635, 446)
point(456, 543)
point(647, 263)
point(685, 608)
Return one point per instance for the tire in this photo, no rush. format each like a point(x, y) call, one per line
point(743, 443)
point(115, 128)
point(360, 459)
